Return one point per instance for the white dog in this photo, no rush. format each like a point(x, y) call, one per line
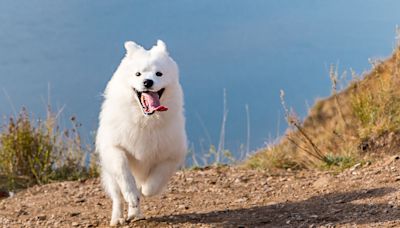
point(141, 137)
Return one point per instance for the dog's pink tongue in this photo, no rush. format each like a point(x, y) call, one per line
point(152, 102)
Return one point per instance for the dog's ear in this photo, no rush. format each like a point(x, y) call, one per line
point(161, 47)
point(131, 47)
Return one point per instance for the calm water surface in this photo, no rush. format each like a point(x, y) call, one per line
point(250, 48)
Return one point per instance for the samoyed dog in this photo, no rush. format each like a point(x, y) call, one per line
point(141, 138)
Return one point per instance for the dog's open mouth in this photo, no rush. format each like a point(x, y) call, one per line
point(150, 101)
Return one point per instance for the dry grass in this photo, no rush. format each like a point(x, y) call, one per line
point(38, 152)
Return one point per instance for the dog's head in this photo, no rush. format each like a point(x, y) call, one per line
point(149, 73)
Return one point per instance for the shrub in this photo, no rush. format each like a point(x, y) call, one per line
point(38, 152)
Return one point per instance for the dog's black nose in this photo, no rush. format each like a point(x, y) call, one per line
point(148, 83)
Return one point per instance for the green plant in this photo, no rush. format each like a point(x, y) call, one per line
point(339, 161)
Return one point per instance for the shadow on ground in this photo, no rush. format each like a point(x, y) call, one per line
point(333, 208)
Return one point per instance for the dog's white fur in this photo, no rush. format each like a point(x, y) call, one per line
point(139, 153)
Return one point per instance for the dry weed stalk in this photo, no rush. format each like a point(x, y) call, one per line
point(334, 76)
point(292, 120)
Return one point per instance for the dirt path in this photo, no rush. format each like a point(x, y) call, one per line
point(226, 197)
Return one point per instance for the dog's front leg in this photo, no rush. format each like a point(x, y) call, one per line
point(116, 164)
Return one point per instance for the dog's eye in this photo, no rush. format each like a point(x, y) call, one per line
point(138, 74)
point(158, 73)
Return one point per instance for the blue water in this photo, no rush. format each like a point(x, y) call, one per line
point(250, 48)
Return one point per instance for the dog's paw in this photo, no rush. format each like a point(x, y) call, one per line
point(117, 221)
point(134, 213)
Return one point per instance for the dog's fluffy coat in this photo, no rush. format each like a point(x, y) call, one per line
point(138, 152)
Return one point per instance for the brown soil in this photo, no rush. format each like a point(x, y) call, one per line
point(363, 196)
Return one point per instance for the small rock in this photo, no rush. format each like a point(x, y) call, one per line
point(356, 166)
point(321, 182)
point(391, 160)
point(73, 214)
point(241, 200)
point(80, 200)
point(271, 203)
point(75, 224)
point(4, 194)
point(41, 217)
point(386, 211)
point(335, 211)
point(340, 201)
point(22, 212)
point(182, 206)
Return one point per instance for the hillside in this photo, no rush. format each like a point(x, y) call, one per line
point(351, 126)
